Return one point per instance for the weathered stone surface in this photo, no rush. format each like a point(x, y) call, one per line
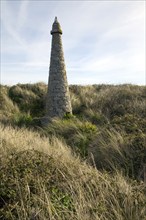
point(58, 97)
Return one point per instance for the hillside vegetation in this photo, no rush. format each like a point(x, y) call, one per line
point(89, 165)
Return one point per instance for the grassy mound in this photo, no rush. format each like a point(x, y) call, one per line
point(43, 179)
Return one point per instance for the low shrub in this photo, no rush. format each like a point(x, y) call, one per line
point(22, 119)
point(76, 133)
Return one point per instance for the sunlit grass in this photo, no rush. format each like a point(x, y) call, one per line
point(86, 166)
point(42, 178)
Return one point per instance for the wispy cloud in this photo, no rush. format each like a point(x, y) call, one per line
point(22, 14)
point(99, 38)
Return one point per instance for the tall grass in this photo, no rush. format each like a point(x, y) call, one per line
point(88, 166)
point(43, 179)
point(102, 114)
point(29, 98)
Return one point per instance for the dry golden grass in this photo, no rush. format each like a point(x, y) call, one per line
point(7, 106)
point(42, 179)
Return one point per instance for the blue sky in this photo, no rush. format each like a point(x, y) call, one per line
point(104, 41)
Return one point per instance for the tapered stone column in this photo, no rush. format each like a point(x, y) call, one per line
point(58, 98)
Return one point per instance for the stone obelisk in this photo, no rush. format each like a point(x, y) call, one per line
point(58, 102)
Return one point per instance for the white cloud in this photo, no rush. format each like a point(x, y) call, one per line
point(98, 37)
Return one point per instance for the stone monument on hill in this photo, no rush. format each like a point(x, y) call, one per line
point(58, 101)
